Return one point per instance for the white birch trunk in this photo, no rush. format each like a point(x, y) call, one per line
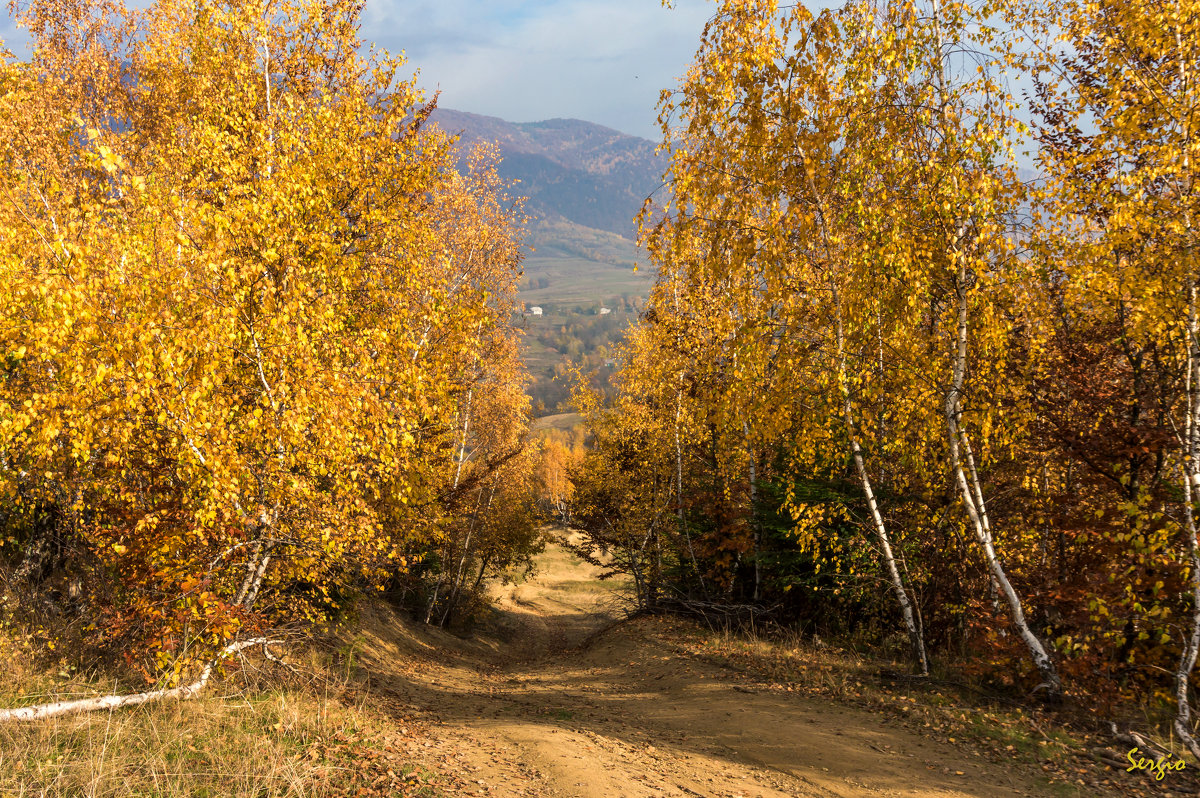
point(462, 446)
point(962, 461)
point(1191, 448)
point(110, 702)
point(256, 569)
point(1191, 475)
point(462, 562)
point(432, 602)
point(885, 545)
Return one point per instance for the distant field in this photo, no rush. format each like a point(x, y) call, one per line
point(561, 421)
point(568, 264)
point(540, 359)
point(573, 272)
point(575, 281)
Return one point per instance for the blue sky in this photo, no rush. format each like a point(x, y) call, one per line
point(526, 61)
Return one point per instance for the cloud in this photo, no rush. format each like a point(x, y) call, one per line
point(524, 61)
point(605, 62)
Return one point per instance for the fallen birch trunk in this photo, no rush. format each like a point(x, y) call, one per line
point(39, 711)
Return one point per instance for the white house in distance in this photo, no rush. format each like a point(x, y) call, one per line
point(605, 311)
point(535, 310)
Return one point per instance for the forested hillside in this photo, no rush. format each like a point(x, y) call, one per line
point(584, 186)
point(568, 169)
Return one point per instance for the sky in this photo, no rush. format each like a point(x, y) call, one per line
point(603, 61)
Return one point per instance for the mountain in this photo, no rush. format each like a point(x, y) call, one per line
point(569, 169)
point(585, 183)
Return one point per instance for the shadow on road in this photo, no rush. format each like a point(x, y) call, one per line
point(557, 696)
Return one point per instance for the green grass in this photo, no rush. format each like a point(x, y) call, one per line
point(581, 266)
point(540, 358)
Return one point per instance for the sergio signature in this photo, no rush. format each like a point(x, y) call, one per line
point(1158, 767)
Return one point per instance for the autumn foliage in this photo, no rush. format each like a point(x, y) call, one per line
point(255, 327)
point(890, 384)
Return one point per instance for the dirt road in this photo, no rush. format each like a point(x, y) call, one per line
point(551, 699)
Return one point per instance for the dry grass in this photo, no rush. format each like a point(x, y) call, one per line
point(238, 739)
point(564, 422)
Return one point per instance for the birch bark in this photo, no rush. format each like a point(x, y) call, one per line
point(966, 475)
point(55, 709)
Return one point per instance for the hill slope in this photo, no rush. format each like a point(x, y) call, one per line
point(585, 184)
point(569, 169)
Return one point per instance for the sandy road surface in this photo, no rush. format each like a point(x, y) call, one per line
point(553, 700)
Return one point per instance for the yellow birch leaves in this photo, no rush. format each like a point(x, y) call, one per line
point(246, 293)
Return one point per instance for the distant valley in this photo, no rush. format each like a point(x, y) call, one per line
point(585, 185)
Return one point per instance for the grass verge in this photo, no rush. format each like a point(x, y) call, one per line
point(306, 738)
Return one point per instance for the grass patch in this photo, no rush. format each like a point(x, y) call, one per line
point(564, 422)
point(303, 739)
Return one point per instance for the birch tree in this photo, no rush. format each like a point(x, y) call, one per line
point(236, 324)
point(948, 158)
point(1118, 134)
point(760, 178)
